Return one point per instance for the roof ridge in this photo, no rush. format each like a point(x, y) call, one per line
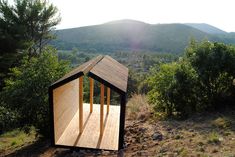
point(92, 64)
point(102, 68)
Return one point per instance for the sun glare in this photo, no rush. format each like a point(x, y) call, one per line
point(77, 13)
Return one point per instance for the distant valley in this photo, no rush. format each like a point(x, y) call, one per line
point(130, 35)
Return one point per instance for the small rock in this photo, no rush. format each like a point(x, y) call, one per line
point(105, 153)
point(214, 151)
point(133, 131)
point(171, 155)
point(177, 137)
point(138, 153)
point(221, 139)
point(144, 146)
point(201, 149)
point(194, 134)
point(128, 133)
point(168, 129)
point(179, 128)
point(142, 129)
point(120, 153)
point(135, 148)
point(142, 153)
point(191, 130)
point(157, 136)
point(98, 153)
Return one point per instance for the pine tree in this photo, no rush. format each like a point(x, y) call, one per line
point(27, 24)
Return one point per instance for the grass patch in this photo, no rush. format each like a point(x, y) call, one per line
point(213, 138)
point(16, 138)
point(184, 153)
point(222, 122)
point(177, 137)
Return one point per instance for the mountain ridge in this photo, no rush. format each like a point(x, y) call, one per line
point(207, 28)
point(132, 35)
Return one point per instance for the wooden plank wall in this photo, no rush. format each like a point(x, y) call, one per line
point(65, 104)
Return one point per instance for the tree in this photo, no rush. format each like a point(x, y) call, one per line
point(161, 81)
point(215, 66)
point(201, 80)
point(132, 84)
point(26, 24)
point(26, 91)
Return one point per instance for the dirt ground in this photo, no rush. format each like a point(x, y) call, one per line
point(208, 135)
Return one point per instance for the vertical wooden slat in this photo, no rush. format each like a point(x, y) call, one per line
point(91, 93)
point(101, 109)
point(81, 104)
point(108, 99)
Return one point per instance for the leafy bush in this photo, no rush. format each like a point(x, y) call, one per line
point(215, 66)
point(26, 89)
point(161, 80)
point(184, 91)
point(201, 80)
point(174, 88)
point(8, 118)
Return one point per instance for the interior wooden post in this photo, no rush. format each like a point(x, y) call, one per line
point(108, 99)
point(91, 93)
point(81, 104)
point(101, 109)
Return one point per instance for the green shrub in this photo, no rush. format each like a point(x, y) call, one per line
point(215, 66)
point(26, 89)
point(161, 82)
point(8, 118)
point(174, 89)
point(199, 81)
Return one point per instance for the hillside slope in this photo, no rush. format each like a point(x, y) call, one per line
point(130, 35)
point(206, 28)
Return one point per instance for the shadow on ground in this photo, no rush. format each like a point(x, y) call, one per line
point(42, 148)
point(36, 149)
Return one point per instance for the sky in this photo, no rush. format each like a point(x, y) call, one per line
point(77, 13)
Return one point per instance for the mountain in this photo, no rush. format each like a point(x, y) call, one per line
point(206, 28)
point(130, 35)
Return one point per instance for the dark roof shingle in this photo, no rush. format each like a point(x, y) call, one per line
point(105, 68)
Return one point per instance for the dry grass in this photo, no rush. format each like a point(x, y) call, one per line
point(214, 138)
point(138, 108)
point(211, 134)
point(16, 139)
point(222, 122)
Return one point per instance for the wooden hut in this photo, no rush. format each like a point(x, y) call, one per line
point(87, 125)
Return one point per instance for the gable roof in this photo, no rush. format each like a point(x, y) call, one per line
point(102, 68)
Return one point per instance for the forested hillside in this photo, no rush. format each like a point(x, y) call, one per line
point(130, 35)
point(206, 28)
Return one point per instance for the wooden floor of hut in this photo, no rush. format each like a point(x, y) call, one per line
point(90, 136)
